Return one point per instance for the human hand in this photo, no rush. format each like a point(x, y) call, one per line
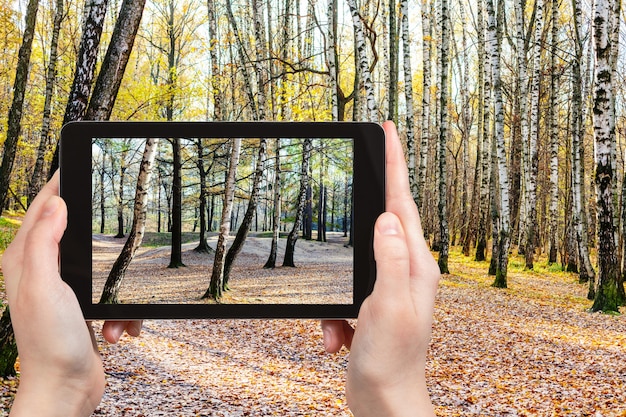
point(386, 369)
point(61, 369)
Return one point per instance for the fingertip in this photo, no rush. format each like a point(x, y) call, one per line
point(333, 333)
point(112, 331)
point(134, 328)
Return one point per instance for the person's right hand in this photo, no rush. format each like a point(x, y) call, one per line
point(386, 368)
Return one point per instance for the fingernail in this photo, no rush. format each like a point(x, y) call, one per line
point(390, 226)
point(50, 207)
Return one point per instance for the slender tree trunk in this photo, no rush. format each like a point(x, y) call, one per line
point(443, 134)
point(408, 96)
point(292, 238)
point(607, 296)
point(85, 67)
point(37, 178)
point(15, 112)
point(554, 138)
point(244, 228)
point(115, 61)
point(363, 63)
point(425, 133)
point(271, 260)
point(176, 256)
point(533, 157)
point(393, 62)
point(585, 269)
point(485, 133)
point(203, 246)
point(217, 275)
point(495, 37)
point(135, 237)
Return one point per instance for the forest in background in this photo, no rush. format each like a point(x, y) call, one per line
point(511, 111)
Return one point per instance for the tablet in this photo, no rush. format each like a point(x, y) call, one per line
point(333, 254)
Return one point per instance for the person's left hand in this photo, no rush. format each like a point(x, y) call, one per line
point(61, 370)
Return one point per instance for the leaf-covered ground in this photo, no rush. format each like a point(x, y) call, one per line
point(530, 350)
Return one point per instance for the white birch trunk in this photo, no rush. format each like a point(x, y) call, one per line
point(363, 62)
point(216, 286)
point(331, 51)
point(425, 132)
point(408, 96)
point(135, 237)
point(606, 294)
point(554, 138)
point(533, 157)
point(495, 38)
point(485, 50)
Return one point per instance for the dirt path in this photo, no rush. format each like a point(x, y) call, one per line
point(323, 274)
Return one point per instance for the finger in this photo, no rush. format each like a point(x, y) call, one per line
point(392, 258)
point(336, 333)
point(13, 257)
point(398, 195)
point(40, 251)
point(112, 330)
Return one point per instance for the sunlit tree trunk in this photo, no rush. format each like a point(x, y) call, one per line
point(425, 131)
point(292, 238)
point(408, 95)
point(85, 67)
point(363, 62)
point(522, 46)
point(244, 227)
point(14, 123)
point(135, 237)
point(585, 269)
point(216, 285)
point(465, 135)
point(607, 296)
point(533, 158)
point(115, 61)
point(495, 37)
point(554, 138)
point(38, 176)
point(484, 53)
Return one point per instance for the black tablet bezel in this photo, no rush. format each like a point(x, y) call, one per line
point(75, 188)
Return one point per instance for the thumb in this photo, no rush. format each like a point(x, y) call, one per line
point(392, 257)
point(41, 246)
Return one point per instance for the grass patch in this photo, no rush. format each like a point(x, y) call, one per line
point(8, 229)
point(154, 239)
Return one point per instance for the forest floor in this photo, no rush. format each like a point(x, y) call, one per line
point(530, 350)
point(323, 274)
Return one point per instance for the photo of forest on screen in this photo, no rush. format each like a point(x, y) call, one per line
point(289, 181)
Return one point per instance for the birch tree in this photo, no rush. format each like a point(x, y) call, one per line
point(408, 95)
point(135, 237)
point(216, 285)
point(115, 61)
point(554, 137)
point(363, 62)
point(495, 38)
point(533, 157)
point(271, 260)
point(427, 41)
point(585, 269)
point(85, 67)
point(17, 106)
point(484, 68)
point(443, 134)
point(607, 296)
point(292, 238)
point(37, 178)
